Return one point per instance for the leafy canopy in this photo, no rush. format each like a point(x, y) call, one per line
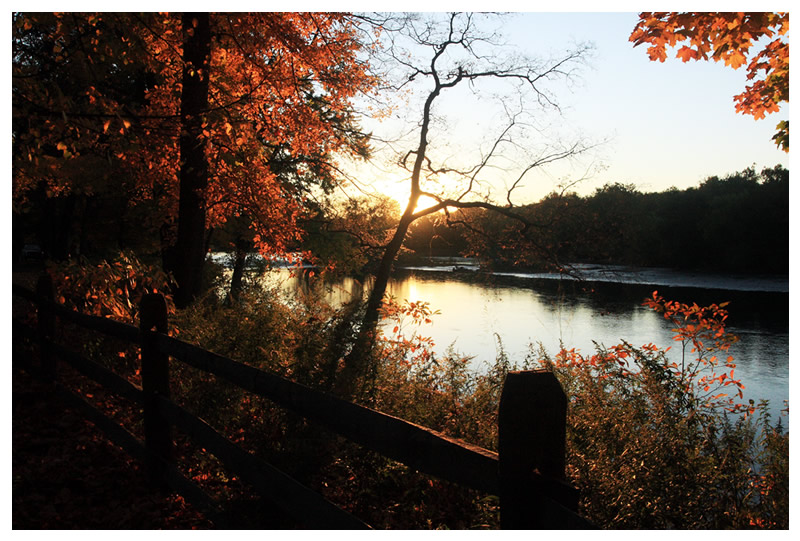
point(102, 91)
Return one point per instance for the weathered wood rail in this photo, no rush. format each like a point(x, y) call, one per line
point(527, 473)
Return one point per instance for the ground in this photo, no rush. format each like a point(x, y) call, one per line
point(66, 475)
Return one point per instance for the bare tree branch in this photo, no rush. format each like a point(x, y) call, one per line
point(460, 53)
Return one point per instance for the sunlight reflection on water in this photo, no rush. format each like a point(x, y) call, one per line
point(474, 313)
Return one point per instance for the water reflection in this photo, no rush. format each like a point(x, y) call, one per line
point(476, 310)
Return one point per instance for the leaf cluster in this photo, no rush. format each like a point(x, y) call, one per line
point(101, 92)
point(652, 445)
point(728, 37)
point(110, 287)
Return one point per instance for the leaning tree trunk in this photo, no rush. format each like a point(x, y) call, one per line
point(356, 360)
point(241, 249)
point(189, 253)
point(356, 363)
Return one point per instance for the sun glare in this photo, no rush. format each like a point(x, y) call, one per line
point(402, 200)
point(400, 191)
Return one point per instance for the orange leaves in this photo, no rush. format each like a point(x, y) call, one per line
point(700, 380)
point(728, 37)
point(279, 91)
point(613, 359)
point(277, 82)
point(687, 53)
point(702, 332)
point(108, 289)
point(735, 59)
point(621, 352)
point(694, 323)
point(414, 347)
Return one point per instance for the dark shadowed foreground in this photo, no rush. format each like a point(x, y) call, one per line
point(53, 449)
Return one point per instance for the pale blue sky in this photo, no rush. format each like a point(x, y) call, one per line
point(667, 124)
point(672, 123)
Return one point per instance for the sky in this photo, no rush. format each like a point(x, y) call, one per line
point(661, 125)
point(671, 123)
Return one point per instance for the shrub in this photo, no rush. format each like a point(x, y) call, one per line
point(653, 443)
point(109, 287)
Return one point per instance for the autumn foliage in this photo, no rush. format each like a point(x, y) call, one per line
point(651, 441)
point(111, 288)
point(701, 331)
point(101, 93)
point(656, 441)
point(728, 37)
point(98, 107)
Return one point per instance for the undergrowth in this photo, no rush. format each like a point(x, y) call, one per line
point(651, 442)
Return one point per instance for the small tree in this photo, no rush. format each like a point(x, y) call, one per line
point(445, 56)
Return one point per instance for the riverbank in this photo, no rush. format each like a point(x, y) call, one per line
point(585, 272)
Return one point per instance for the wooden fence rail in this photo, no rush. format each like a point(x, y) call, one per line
point(527, 473)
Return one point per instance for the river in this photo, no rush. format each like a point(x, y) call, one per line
point(477, 311)
point(524, 309)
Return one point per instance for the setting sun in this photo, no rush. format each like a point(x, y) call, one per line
point(400, 191)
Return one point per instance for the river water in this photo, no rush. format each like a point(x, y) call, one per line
point(520, 310)
point(477, 311)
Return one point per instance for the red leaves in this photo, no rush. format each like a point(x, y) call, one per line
point(702, 331)
point(109, 289)
point(419, 347)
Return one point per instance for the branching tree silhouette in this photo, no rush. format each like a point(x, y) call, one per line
point(443, 56)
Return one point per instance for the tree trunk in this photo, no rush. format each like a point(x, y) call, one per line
point(240, 259)
point(356, 361)
point(189, 254)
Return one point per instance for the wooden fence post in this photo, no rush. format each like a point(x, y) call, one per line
point(155, 383)
point(46, 322)
point(532, 437)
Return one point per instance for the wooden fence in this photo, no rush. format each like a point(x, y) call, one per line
point(527, 473)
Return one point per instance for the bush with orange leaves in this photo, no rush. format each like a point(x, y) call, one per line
point(655, 442)
point(110, 287)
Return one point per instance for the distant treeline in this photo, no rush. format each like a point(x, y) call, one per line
point(739, 223)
